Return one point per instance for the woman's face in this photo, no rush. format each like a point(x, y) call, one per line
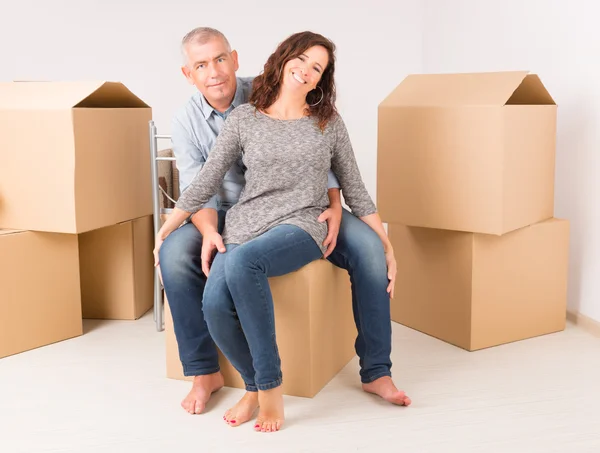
point(302, 73)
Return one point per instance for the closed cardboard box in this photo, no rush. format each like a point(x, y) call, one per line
point(117, 270)
point(477, 290)
point(40, 298)
point(314, 327)
point(467, 152)
point(75, 156)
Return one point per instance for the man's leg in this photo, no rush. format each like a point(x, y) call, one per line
point(181, 270)
point(282, 250)
point(225, 329)
point(360, 251)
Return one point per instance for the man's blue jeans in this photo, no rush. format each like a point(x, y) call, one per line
point(359, 250)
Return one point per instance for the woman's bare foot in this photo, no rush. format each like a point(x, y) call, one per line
point(202, 389)
point(385, 388)
point(243, 410)
point(270, 416)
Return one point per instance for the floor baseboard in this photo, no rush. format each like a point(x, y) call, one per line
point(585, 322)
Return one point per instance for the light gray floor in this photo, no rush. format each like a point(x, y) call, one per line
point(106, 392)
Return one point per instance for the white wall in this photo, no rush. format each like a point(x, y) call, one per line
point(379, 42)
point(137, 42)
point(560, 41)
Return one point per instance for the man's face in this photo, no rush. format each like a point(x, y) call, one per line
point(211, 68)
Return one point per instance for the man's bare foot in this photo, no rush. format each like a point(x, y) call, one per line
point(243, 410)
point(270, 416)
point(202, 389)
point(385, 388)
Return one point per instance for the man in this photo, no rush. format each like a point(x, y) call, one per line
point(210, 65)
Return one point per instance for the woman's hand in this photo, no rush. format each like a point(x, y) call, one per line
point(390, 260)
point(157, 244)
point(174, 221)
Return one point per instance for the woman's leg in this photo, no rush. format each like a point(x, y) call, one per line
point(279, 251)
point(226, 331)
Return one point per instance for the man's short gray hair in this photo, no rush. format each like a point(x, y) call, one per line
point(201, 35)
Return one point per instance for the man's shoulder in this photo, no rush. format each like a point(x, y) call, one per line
point(189, 112)
point(246, 82)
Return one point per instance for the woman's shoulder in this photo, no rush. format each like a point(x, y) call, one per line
point(243, 111)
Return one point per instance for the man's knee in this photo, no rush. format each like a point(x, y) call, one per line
point(180, 249)
point(360, 243)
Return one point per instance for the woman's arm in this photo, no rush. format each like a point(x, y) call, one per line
point(345, 168)
point(355, 193)
point(207, 181)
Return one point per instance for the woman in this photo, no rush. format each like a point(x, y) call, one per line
point(289, 136)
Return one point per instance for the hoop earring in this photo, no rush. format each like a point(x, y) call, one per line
point(319, 101)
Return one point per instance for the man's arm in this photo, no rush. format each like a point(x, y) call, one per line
point(189, 159)
point(207, 221)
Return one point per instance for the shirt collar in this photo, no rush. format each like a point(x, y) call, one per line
point(238, 99)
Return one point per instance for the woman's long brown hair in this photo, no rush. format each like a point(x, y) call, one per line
point(266, 86)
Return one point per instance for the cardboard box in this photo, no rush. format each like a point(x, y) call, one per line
point(476, 290)
point(75, 156)
point(40, 298)
point(467, 152)
point(314, 327)
point(117, 270)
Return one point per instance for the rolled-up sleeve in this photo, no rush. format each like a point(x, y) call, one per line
point(332, 181)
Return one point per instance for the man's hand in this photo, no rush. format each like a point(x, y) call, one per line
point(211, 243)
point(333, 217)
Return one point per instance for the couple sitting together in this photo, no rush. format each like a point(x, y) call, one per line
point(262, 162)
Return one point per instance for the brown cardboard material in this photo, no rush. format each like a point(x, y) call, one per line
point(74, 156)
point(467, 152)
point(117, 270)
point(40, 298)
point(475, 290)
point(314, 327)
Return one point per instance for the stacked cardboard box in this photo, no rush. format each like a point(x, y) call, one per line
point(75, 167)
point(466, 184)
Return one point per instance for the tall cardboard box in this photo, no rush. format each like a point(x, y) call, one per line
point(117, 270)
point(477, 290)
point(40, 299)
point(467, 152)
point(314, 327)
point(74, 156)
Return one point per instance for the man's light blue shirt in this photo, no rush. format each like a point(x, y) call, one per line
point(194, 131)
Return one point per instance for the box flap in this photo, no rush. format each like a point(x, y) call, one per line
point(485, 88)
point(64, 95)
point(531, 92)
point(7, 232)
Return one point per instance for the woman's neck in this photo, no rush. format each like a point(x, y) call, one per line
point(288, 107)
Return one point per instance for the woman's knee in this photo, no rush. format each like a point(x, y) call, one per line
point(216, 300)
point(240, 259)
